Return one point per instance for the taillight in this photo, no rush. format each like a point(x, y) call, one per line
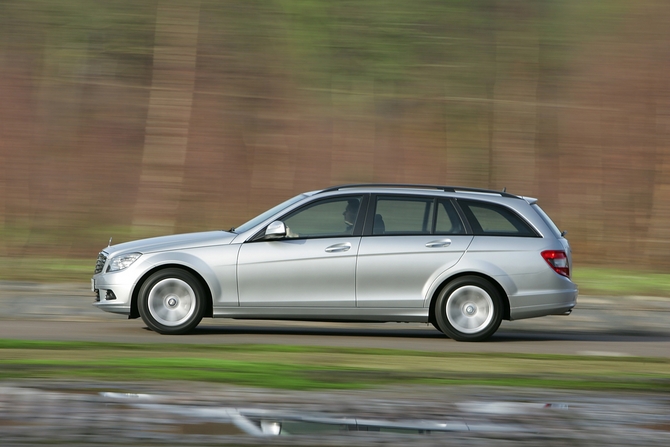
point(558, 261)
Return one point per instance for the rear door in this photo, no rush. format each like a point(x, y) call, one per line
point(411, 241)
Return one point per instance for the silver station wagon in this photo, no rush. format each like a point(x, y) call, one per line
point(462, 259)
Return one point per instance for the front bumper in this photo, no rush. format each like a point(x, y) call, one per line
point(112, 294)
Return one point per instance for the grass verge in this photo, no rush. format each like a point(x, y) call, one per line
point(296, 367)
point(619, 282)
point(46, 270)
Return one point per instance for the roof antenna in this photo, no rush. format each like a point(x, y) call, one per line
point(504, 189)
point(109, 244)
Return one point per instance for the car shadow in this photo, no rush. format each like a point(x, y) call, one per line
point(317, 331)
point(502, 336)
point(614, 336)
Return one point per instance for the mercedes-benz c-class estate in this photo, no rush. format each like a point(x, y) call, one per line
point(462, 259)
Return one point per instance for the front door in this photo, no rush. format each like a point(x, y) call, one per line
point(313, 266)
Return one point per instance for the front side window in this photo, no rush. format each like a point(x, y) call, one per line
point(325, 218)
point(403, 215)
point(494, 220)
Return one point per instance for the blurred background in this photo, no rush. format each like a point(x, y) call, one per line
point(132, 119)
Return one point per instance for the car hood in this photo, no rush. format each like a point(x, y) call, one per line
point(173, 242)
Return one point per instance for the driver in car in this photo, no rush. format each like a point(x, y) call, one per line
point(349, 214)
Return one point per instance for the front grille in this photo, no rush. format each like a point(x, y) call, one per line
point(100, 263)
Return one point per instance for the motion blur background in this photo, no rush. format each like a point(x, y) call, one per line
point(130, 119)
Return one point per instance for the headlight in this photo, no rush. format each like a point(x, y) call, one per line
point(121, 262)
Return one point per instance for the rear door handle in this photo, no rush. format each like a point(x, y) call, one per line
point(439, 244)
point(346, 246)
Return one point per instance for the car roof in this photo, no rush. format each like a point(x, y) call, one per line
point(413, 187)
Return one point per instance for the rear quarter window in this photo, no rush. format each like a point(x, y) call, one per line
point(489, 219)
point(547, 220)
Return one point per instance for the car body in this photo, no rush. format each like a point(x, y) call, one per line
point(462, 259)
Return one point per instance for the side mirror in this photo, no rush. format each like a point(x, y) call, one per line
point(276, 230)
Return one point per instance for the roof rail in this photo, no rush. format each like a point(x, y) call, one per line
point(420, 186)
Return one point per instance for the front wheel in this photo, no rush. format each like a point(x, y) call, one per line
point(468, 309)
point(171, 301)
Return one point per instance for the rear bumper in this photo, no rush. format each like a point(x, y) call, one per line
point(550, 303)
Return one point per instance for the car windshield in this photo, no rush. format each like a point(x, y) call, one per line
point(269, 213)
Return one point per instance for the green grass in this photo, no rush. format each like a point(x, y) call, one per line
point(46, 269)
point(297, 367)
point(608, 281)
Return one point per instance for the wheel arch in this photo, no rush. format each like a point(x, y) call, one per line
point(134, 311)
point(492, 281)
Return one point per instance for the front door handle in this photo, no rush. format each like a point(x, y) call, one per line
point(337, 248)
point(439, 244)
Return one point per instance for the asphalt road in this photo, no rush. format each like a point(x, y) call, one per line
point(616, 326)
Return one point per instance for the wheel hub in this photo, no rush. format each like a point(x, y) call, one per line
point(469, 309)
point(172, 302)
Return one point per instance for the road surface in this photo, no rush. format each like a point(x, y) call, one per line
point(616, 326)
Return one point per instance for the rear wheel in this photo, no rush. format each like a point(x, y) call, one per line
point(468, 309)
point(171, 301)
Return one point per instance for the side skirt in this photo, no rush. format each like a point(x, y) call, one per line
point(380, 315)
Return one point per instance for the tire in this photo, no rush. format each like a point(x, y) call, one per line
point(171, 302)
point(468, 308)
point(433, 322)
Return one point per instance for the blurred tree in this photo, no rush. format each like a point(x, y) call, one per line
point(169, 115)
point(109, 122)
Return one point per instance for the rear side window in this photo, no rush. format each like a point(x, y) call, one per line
point(489, 219)
point(448, 221)
point(403, 215)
